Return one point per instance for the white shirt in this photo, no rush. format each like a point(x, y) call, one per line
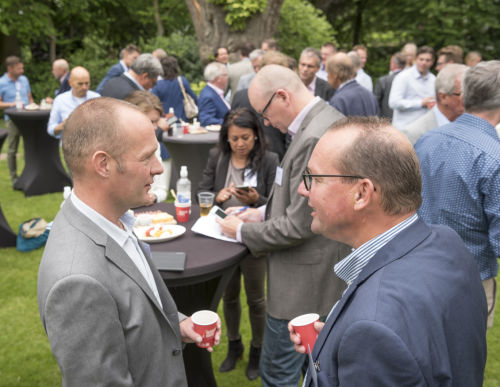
point(364, 79)
point(124, 238)
point(408, 89)
point(440, 117)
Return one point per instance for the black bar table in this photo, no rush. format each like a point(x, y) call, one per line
point(209, 265)
point(7, 236)
point(43, 170)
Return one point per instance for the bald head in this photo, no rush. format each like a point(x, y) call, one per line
point(60, 68)
point(79, 80)
point(273, 77)
point(340, 69)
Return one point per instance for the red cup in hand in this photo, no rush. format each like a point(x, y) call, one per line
point(205, 324)
point(304, 327)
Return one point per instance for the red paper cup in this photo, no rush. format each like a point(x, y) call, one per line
point(182, 211)
point(304, 326)
point(205, 324)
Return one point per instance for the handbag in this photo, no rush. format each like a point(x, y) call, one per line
point(190, 107)
point(32, 234)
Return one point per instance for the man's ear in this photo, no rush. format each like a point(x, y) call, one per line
point(363, 194)
point(101, 162)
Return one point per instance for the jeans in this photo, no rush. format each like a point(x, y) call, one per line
point(280, 365)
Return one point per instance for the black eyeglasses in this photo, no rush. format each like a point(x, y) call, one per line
point(267, 106)
point(308, 178)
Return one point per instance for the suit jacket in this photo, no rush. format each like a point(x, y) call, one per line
point(104, 324)
point(235, 71)
point(352, 99)
point(64, 86)
point(423, 124)
point(300, 263)
point(211, 108)
point(323, 90)
point(275, 139)
point(382, 91)
point(215, 174)
point(415, 316)
point(114, 71)
point(119, 87)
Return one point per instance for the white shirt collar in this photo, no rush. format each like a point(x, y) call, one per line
point(129, 76)
point(295, 125)
point(440, 117)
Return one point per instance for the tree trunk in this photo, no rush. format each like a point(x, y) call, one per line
point(160, 31)
point(213, 32)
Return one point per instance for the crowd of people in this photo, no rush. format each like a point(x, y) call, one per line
point(394, 186)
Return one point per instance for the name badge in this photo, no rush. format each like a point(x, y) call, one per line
point(278, 179)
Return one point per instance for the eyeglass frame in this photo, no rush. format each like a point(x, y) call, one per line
point(309, 176)
point(261, 115)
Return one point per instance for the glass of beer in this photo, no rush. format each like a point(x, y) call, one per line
point(206, 200)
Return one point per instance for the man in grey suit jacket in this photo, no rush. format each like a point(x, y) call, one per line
point(108, 315)
point(384, 84)
point(299, 263)
point(414, 312)
point(449, 104)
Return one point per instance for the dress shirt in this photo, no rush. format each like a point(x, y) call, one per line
point(129, 76)
point(321, 73)
point(124, 66)
point(440, 117)
point(62, 107)
point(364, 79)
point(9, 87)
point(220, 93)
point(460, 165)
point(312, 86)
point(124, 238)
point(408, 89)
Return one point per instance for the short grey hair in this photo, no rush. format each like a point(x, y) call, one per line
point(147, 63)
point(481, 87)
point(356, 60)
point(445, 80)
point(309, 51)
point(257, 53)
point(213, 70)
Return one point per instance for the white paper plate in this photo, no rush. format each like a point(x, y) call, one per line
point(171, 232)
point(213, 128)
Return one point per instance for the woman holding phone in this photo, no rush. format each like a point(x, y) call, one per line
point(240, 171)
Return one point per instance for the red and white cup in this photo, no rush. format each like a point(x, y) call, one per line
point(205, 324)
point(304, 326)
point(182, 211)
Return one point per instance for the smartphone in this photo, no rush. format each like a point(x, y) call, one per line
point(169, 260)
point(243, 187)
point(221, 214)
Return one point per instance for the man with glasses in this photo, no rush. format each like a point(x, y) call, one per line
point(414, 312)
point(449, 103)
point(299, 262)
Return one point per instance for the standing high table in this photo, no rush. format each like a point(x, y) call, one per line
point(43, 170)
point(190, 150)
point(209, 265)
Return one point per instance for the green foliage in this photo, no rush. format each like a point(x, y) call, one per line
point(239, 11)
point(184, 47)
point(301, 25)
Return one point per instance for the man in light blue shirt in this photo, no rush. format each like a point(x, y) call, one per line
point(66, 102)
point(412, 93)
point(12, 83)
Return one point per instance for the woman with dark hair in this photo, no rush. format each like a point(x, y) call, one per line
point(169, 90)
point(241, 159)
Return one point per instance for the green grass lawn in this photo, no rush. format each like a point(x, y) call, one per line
point(25, 357)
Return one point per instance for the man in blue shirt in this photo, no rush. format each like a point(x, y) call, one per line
point(65, 103)
point(11, 83)
point(460, 165)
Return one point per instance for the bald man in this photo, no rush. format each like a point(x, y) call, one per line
point(299, 276)
point(65, 103)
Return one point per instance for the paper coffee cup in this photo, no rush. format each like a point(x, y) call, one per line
point(205, 324)
point(182, 211)
point(304, 326)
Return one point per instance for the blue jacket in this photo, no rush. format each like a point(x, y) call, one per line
point(415, 316)
point(170, 95)
point(114, 71)
point(211, 108)
point(352, 99)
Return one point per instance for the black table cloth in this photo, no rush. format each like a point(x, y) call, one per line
point(209, 265)
point(7, 236)
point(43, 170)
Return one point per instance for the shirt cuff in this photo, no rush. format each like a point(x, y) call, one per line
point(262, 210)
point(238, 233)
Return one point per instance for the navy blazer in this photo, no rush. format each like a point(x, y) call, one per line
point(352, 99)
point(211, 108)
point(415, 316)
point(64, 86)
point(114, 71)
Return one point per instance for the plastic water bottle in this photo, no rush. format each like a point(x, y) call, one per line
point(19, 101)
point(183, 186)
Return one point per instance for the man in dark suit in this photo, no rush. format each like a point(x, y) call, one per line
point(309, 64)
point(142, 76)
point(108, 315)
point(414, 312)
point(60, 70)
point(299, 262)
point(350, 97)
point(212, 107)
point(127, 57)
point(383, 85)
